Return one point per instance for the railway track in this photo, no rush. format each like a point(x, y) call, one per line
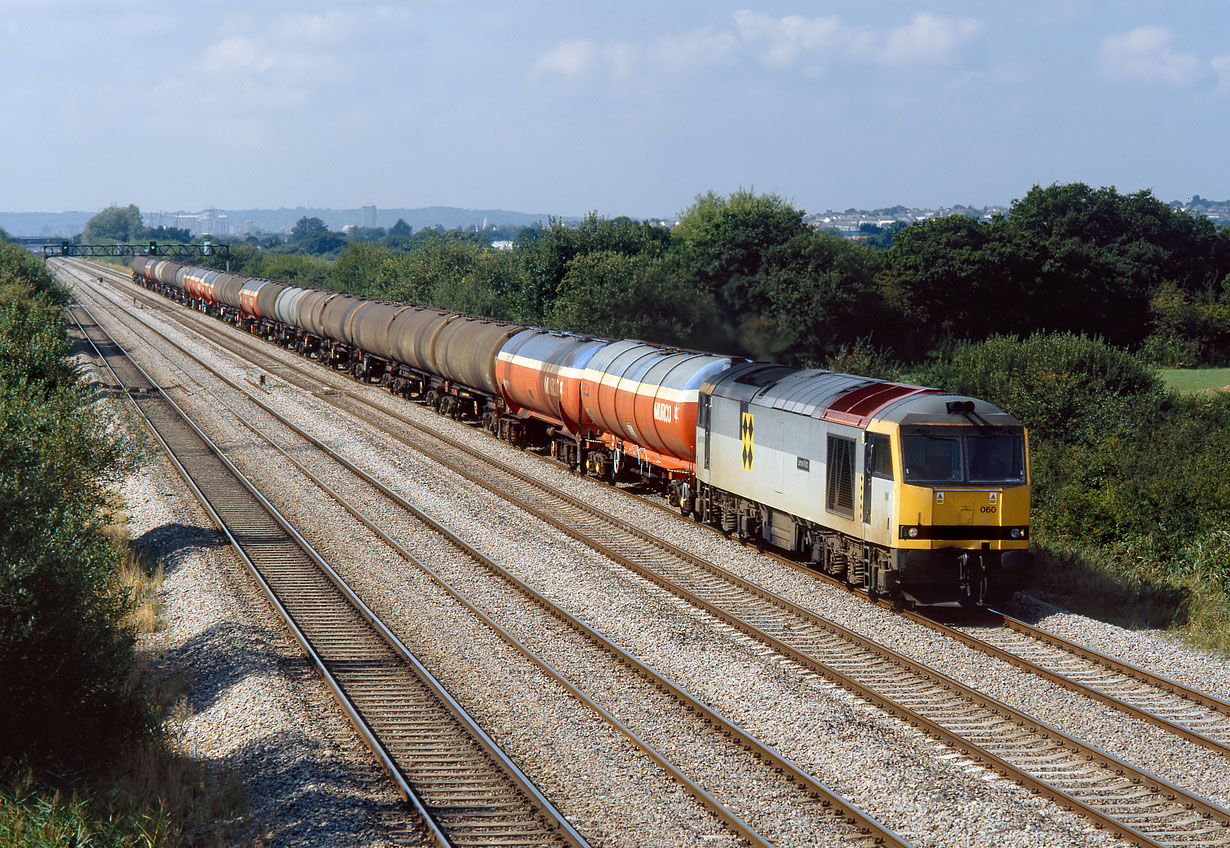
point(743, 750)
point(1089, 780)
point(464, 790)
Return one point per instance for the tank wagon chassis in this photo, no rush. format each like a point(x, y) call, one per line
point(936, 513)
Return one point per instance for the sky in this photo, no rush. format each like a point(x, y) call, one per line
point(563, 107)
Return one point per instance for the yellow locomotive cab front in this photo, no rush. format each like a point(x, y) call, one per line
point(962, 533)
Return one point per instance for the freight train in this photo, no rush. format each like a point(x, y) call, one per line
point(904, 491)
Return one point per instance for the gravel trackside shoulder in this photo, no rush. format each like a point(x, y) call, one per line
point(252, 708)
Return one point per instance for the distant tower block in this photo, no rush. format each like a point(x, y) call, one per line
point(367, 216)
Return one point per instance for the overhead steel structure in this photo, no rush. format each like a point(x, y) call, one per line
point(171, 251)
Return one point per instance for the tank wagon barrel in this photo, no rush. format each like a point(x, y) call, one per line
point(900, 490)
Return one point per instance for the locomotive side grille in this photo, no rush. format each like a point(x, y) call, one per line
point(840, 489)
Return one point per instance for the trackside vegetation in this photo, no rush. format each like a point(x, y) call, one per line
point(82, 761)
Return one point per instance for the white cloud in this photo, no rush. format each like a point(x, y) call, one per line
point(1221, 65)
point(694, 49)
point(329, 26)
point(780, 43)
point(1145, 55)
point(238, 56)
point(928, 39)
point(783, 40)
point(568, 58)
point(580, 57)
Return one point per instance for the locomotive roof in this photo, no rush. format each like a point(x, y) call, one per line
point(842, 398)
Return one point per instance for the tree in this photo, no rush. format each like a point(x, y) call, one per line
point(65, 653)
point(952, 277)
point(161, 234)
point(548, 250)
point(115, 224)
point(1064, 258)
point(311, 236)
point(616, 296)
point(820, 296)
point(307, 227)
point(721, 242)
point(300, 269)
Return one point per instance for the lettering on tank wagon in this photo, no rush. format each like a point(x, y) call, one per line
point(665, 411)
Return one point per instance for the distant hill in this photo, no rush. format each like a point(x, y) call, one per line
point(281, 220)
point(448, 217)
point(44, 223)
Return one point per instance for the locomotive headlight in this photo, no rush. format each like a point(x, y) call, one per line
point(912, 532)
point(1017, 532)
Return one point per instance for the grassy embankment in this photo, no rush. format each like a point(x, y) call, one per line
point(1190, 380)
point(86, 732)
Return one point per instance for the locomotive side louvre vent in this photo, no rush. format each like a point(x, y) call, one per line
point(840, 476)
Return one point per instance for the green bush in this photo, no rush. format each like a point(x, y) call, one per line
point(1157, 488)
point(64, 655)
point(1065, 388)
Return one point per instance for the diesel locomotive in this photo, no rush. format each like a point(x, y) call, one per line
point(903, 491)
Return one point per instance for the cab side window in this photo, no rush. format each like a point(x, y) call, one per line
point(880, 456)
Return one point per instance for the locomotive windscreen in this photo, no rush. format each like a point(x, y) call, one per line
point(963, 455)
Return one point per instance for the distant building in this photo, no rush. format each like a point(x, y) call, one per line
point(367, 216)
